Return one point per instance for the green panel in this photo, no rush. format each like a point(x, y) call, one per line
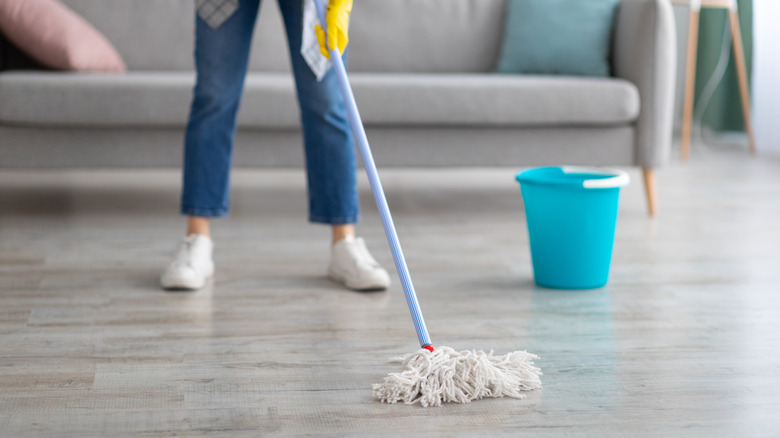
point(724, 111)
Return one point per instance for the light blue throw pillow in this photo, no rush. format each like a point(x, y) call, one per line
point(566, 37)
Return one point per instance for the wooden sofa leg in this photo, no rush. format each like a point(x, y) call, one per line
point(650, 190)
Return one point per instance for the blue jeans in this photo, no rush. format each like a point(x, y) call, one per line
point(221, 61)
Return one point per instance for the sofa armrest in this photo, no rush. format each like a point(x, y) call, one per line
point(644, 53)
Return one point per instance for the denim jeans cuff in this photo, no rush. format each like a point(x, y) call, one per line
point(204, 212)
point(334, 220)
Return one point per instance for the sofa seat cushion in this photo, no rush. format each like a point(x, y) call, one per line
point(162, 99)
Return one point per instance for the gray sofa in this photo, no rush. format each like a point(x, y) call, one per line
point(420, 72)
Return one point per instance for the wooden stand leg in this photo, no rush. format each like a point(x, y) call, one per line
point(744, 93)
point(690, 82)
point(650, 190)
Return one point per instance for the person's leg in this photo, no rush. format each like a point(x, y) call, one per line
point(198, 225)
point(330, 163)
point(221, 60)
point(340, 232)
point(328, 144)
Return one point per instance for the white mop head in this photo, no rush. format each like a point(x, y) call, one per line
point(446, 375)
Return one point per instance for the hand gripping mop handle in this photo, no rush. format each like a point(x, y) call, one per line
point(376, 187)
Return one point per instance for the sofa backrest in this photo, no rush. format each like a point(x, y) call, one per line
point(446, 36)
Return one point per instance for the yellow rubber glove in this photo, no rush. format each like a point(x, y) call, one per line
point(337, 19)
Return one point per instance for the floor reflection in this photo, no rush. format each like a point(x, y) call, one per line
point(573, 333)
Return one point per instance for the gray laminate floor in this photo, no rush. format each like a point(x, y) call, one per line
point(684, 341)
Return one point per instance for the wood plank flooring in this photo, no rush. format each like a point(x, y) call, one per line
point(684, 341)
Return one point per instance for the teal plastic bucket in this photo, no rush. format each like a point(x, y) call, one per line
point(571, 214)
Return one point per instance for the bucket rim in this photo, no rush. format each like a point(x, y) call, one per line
point(616, 178)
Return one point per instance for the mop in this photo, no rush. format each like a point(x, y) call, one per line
point(432, 376)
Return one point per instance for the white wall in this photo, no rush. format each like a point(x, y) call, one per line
point(766, 76)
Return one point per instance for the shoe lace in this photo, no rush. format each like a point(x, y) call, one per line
point(184, 255)
point(362, 255)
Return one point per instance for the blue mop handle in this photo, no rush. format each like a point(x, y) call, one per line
point(376, 186)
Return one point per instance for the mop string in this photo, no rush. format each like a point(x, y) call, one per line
point(447, 375)
point(376, 187)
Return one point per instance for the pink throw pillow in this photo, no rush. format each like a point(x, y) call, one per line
point(57, 37)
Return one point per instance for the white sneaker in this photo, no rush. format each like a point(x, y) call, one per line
point(192, 266)
point(352, 265)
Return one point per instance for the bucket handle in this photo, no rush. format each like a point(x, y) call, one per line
point(618, 178)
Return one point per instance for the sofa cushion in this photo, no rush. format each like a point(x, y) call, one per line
point(570, 37)
point(459, 36)
point(56, 37)
point(162, 99)
point(12, 58)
